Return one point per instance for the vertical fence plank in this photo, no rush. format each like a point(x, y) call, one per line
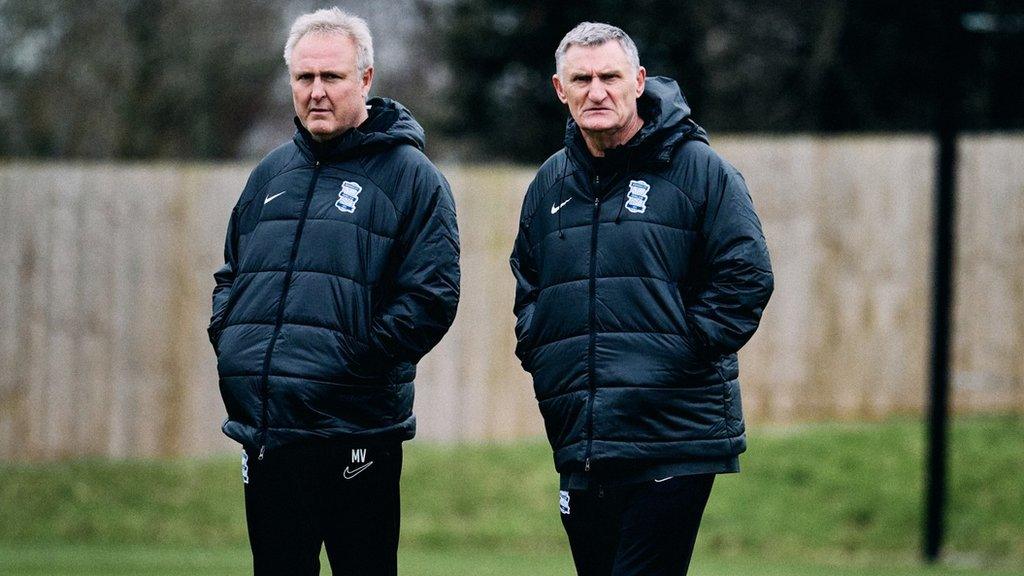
point(121, 301)
point(97, 271)
point(38, 286)
point(13, 321)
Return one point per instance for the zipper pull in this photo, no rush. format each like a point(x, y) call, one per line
point(586, 465)
point(262, 450)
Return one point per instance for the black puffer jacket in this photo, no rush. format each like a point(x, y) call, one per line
point(636, 285)
point(341, 271)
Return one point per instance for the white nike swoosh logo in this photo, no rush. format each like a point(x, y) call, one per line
point(269, 198)
point(663, 479)
point(350, 474)
point(555, 209)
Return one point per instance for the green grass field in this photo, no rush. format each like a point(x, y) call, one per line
point(100, 560)
point(812, 499)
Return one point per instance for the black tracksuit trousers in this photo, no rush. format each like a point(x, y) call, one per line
point(645, 528)
point(344, 497)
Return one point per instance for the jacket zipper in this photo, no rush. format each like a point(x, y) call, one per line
point(593, 319)
point(264, 386)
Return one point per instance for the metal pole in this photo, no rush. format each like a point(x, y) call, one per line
point(942, 293)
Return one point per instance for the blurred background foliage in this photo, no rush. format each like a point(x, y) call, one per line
point(744, 65)
point(205, 80)
point(134, 79)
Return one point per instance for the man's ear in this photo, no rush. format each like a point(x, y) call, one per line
point(367, 82)
point(556, 81)
point(641, 81)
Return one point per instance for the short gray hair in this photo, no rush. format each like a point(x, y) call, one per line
point(595, 34)
point(333, 21)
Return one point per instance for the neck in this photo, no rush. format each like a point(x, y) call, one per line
point(598, 142)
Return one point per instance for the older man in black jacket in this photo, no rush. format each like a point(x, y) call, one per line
point(340, 272)
point(641, 270)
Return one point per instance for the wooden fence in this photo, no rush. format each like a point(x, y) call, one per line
point(107, 271)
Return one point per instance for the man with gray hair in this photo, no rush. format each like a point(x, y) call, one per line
point(341, 270)
point(640, 270)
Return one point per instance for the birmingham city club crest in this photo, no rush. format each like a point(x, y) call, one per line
point(636, 201)
point(348, 196)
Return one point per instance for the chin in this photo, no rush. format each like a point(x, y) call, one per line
point(321, 131)
point(598, 126)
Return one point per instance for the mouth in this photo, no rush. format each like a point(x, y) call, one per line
point(319, 111)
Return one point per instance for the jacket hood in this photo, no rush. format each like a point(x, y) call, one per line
point(389, 124)
point(667, 123)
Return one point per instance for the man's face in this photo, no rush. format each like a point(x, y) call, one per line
point(328, 91)
point(600, 87)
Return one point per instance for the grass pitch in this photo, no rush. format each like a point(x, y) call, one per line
point(812, 499)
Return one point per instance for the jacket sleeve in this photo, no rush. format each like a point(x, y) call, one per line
point(724, 308)
point(423, 294)
point(525, 272)
point(224, 278)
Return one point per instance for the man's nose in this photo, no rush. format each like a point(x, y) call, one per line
point(318, 89)
point(596, 93)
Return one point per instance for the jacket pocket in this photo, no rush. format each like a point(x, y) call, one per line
point(691, 343)
point(213, 332)
point(524, 336)
point(360, 363)
point(564, 418)
point(215, 329)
